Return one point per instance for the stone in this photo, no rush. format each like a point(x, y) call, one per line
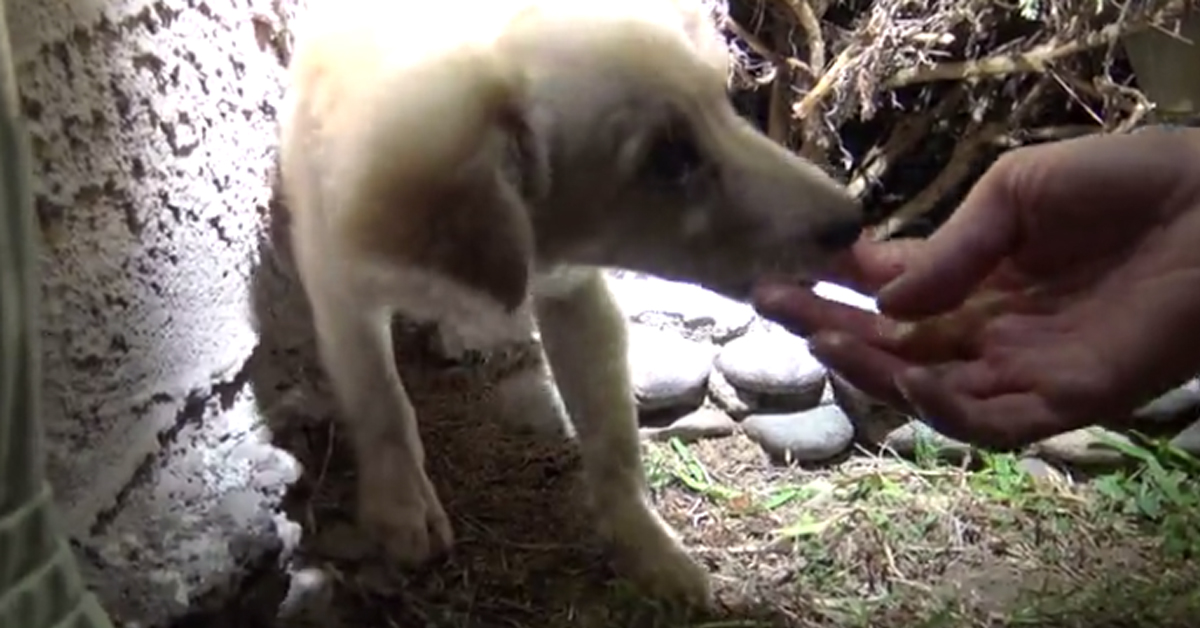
point(667, 370)
point(808, 436)
point(1188, 440)
point(309, 596)
point(873, 420)
point(773, 363)
point(700, 424)
point(1083, 447)
point(1041, 471)
point(698, 313)
point(1171, 404)
point(904, 441)
point(738, 403)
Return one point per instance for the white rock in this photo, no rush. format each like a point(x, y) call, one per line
point(726, 396)
point(1172, 403)
point(904, 441)
point(808, 436)
point(1085, 447)
point(772, 363)
point(668, 371)
point(701, 312)
point(703, 423)
point(1188, 440)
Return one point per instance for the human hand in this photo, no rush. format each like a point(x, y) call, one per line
point(1086, 254)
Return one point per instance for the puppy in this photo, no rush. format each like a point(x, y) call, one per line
point(475, 163)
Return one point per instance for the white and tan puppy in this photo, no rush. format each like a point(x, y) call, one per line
point(474, 163)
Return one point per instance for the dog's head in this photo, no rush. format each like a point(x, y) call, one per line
point(650, 166)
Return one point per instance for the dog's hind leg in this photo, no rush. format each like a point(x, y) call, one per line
point(584, 336)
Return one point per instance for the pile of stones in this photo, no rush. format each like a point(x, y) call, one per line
point(707, 367)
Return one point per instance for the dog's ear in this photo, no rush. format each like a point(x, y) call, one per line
point(467, 216)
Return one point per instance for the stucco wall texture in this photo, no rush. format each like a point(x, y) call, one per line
point(153, 128)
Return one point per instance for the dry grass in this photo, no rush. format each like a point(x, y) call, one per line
point(873, 542)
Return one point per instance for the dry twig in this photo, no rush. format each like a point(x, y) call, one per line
point(763, 50)
point(977, 137)
point(1036, 59)
point(807, 105)
point(907, 134)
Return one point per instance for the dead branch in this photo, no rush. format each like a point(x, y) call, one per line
point(812, 99)
point(812, 131)
point(1022, 137)
point(907, 134)
point(763, 50)
point(1034, 60)
point(977, 137)
point(808, 21)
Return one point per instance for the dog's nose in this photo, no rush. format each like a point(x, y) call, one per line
point(839, 235)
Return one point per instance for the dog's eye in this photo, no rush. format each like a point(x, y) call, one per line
point(673, 156)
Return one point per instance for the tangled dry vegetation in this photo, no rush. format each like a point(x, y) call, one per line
point(908, 99)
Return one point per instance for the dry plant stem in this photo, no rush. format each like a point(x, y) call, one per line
point(803, 109)
point(811, 145)
point(1138, 114)
point(1046, 134)
point(977, 137)
point(962, 160)
point(907, 134)
point(1033, 60)
point(766, 52)
point(807, 18)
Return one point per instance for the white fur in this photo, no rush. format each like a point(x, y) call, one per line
point(396, 162)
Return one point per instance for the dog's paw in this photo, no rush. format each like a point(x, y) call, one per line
point(406, 517)
point(649, 555)
point(527, 400)
point(667, 572)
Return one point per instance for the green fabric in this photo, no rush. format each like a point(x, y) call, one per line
point(40, 583)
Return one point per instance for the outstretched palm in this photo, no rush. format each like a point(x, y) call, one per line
point(1087, 253)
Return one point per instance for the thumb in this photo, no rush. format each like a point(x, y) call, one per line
point(964, 251)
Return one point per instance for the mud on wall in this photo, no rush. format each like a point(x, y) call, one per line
point(153, 127)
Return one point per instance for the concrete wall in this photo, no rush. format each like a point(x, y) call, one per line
point(153, 130)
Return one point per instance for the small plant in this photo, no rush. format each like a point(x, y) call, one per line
point(1162, 491)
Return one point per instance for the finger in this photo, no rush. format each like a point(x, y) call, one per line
point(870, 265)
point(868, 368)
point(964, 250)
point(1003, 422)
point(804, 313)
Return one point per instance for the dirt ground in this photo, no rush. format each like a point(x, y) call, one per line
point(871, 541)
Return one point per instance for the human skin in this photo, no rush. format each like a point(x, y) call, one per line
point(1063, 292)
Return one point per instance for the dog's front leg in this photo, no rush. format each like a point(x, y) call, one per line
point(584, 336)
point(397, 503)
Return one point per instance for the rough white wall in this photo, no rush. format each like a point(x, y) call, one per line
point(153, 130)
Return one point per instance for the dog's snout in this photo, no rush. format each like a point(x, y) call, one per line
point(839, 235)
